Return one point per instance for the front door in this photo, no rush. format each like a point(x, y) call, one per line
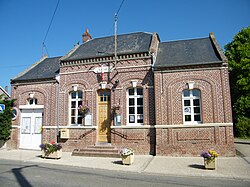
point(31, 123)
point(104, 121)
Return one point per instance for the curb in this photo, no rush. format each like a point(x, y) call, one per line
point(241, 141)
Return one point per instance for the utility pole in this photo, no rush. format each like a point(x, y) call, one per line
point(115, 38)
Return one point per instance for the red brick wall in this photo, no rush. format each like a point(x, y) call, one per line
point(79, 138)
point(141, 140)
point(183, 141)
point(216, 109)
point(45, 93)
point(89, 83)
point(162, 106)
point(215, 95)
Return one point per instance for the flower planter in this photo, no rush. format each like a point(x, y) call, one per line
point(209, 163)
point(55, 155)
point(128, 160)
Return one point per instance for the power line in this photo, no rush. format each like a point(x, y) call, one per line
point(43, 43)
point(51, 21)
point(15, 66)
point(120, 7)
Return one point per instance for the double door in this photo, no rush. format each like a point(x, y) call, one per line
point(31, 124)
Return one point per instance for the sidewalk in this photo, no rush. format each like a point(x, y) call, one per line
point(227, 167)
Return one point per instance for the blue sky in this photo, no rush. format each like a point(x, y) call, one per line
point(23, 24)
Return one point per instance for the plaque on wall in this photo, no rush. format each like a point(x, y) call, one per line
point(88, 120)
point(117, 120)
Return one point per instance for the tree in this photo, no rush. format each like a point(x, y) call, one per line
point(238, 54)
point(5, 118)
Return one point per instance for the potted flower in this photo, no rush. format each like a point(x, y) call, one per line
point(51, 150)
point(127, 155)
point(83, 109)
point(209, 159)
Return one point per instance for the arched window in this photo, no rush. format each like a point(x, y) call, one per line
point(191, 106)
point(32, 101)
point(135, 106)
point(75, 102)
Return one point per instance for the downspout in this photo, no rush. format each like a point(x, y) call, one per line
point(154, 129)
point(57, 112)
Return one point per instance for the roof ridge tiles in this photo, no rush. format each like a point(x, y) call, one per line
point(183, 40)
point(131, 33)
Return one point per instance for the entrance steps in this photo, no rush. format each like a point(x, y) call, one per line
point(98, 150)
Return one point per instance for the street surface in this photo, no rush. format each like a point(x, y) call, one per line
point(24, 174)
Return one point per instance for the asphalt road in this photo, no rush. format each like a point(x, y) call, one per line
point(15, 173)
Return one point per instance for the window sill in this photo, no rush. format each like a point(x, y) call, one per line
point(31, 106)
point(194, 125)
point(80, 127)
point(133, 127)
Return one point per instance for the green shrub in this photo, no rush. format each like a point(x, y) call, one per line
point(242, 127)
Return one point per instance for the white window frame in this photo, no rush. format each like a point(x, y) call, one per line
point(190, 109)
point(77, 114)
point(135, 96)
point(34, 101)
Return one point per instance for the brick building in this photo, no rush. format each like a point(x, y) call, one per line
point(164, 98)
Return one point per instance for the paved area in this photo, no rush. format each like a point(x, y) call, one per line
point(227, 167)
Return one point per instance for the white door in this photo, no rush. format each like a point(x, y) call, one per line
point(31, 122)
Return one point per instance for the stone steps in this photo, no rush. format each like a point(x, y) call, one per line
point(97, 151)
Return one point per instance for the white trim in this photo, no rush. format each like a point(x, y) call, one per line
point(77, 100)
point(135, 97)
point(31, 106)
point(194, 125)
point(191, 99)
point(74, 72)
point(119, 88)
point(191, 85)
point(133, 127)
point(70, 127)
point(134, 83)
point(140, 127)
point(16, 126)
point(139, 66)
point(5, 92)
point(86, 71)
point(158, 69)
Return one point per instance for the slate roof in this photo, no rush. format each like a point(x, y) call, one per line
point(169, 54)
point(187, 52)
point(47, 68)
point(126, 44)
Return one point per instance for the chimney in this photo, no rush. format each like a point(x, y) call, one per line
point(6, 89)
point(86, 36)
